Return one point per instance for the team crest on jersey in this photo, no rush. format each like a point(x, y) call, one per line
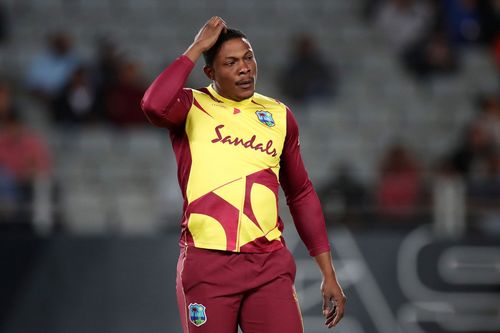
point(197, 314)
point(265, 117)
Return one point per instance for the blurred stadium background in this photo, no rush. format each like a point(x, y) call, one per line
point(398, 102)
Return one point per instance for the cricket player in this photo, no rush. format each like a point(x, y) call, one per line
point(234, 148)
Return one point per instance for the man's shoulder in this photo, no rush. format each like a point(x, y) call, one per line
point(268, 101)
point(204, 93)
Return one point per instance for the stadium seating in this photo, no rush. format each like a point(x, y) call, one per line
point(377, 101)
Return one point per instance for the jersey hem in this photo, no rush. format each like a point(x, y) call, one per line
point(207, 246)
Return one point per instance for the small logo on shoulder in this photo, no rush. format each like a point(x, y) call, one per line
point(265, 117)
point(219, 105)
point(197, 314)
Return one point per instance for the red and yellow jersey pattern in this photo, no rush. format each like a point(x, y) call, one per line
point(232, 157)
point(232, 189)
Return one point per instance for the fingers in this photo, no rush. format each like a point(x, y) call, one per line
point(330, 313)
point(325, 306)
point(336, 313)
point(209, 33)
point(217, 22)
point(222, 24)
point(333, 310)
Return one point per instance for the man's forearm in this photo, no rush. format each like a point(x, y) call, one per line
point(324, 261)
point(193, 52)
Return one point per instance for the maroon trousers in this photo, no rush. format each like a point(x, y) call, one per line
point(219, 290)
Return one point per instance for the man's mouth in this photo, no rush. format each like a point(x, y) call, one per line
point(246, 83)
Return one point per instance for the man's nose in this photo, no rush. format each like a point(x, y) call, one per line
point(244, 69)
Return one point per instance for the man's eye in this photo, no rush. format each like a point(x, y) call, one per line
point(250, 57)
point(230, 63)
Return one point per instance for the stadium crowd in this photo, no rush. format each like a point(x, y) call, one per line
point(425, 37)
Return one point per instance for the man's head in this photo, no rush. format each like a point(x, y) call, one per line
point(60, 43)
point(231, 65)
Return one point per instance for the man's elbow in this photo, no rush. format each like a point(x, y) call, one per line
point(153, 112)
point(148, 106)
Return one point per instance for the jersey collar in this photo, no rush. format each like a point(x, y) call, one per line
point(229, 101)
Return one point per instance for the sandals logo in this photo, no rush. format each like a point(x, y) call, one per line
point(250, 143)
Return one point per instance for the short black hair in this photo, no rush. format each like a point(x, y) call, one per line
point(210, 54)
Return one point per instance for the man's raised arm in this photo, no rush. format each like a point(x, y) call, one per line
point(165, 102)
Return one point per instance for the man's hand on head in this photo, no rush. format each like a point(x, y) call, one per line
point(206, 38)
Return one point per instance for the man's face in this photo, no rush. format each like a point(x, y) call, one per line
point(234, 70)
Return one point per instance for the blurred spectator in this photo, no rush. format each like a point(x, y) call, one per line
point(6, 103)
point(431, 56)
point(489, 118)
point(492, 27)
point(490, 20)
point(23, 155)
point(485, 188)
point(344, 197)
point(307, 77)
point(107, 65)
point(484, 195)
point(469, 159)
point(23, 158)
point(124, 98)
point(78, 102)
point(22, 152)
point(399, 190)
point(51, 69)
point(369, 9)
point(403, 22)
point(496, 51)
point(9, 197)
point(472, 158)
point(4, 27)
point(463, 19)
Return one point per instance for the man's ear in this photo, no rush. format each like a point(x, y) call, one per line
point(209, 72)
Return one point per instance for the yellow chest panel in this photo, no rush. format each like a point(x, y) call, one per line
point(230, 140)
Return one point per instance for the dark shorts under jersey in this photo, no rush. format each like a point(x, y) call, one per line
point(219, 290)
